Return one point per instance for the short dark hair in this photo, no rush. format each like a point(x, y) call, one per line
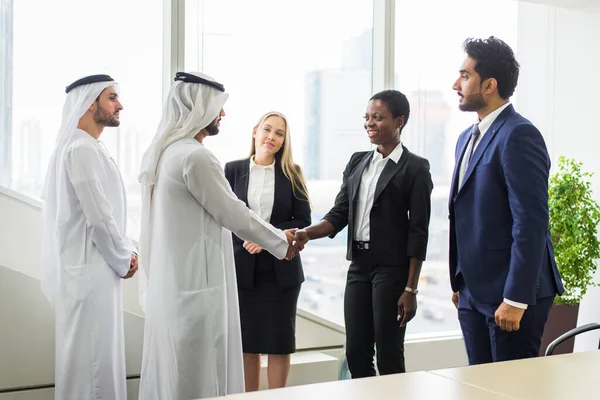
point(494, 59)
point(396, 102)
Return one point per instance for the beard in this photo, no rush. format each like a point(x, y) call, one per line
point(472, 102)
point(213, 128)
point(105, 118)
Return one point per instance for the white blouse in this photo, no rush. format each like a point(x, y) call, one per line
point(366, 191)
point(261, 189)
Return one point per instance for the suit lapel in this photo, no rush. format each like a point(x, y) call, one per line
point(280, 180)
point(486, 140)
point(390, 169)
point(244, 179)
point(356, 176)
point(462, 148)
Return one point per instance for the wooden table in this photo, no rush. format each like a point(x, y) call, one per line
point(569, 376)
point(411, 386)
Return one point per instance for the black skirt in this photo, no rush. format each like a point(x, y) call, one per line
point(268, 312)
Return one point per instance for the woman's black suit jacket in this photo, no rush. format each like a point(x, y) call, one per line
point(288, 212)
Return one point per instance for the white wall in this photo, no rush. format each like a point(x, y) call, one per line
point(20, 233)
point(21, 241)
point(560, 93)
point(27, 333)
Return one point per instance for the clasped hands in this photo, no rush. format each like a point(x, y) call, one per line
point(296, 238)
point(133, 266)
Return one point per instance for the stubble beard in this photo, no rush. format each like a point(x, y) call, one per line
point(105, 118)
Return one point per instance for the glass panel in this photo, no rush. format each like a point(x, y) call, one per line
point(428, 56)
point(81, 38)
point(302, 59)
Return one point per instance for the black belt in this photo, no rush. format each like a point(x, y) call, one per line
point(359, 245)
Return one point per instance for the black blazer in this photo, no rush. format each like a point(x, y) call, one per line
point(399, 219)
point(288, 212)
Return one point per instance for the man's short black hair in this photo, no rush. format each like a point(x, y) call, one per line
point(396, 102)
point(494, 59)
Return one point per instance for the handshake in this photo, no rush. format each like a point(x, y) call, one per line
point(296, 238)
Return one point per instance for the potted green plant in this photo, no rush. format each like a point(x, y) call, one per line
point(574, 220)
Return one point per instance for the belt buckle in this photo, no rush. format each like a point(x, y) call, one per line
point(362, 245)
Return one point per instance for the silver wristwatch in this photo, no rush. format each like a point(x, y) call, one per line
point(411, 290)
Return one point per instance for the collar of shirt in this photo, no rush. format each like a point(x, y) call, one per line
point(253, 164)
point(394, 155)
point(485, 123)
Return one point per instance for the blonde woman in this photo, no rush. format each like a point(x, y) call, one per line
point(273, 187)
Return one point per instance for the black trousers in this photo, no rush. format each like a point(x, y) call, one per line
point(370, 313)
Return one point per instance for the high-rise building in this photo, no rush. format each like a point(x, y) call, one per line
point(6, 85)
point(430, 114)
point(335, 104)
point(427, 134)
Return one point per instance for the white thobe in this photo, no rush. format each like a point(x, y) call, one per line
point(93, 255)
point(192, 338)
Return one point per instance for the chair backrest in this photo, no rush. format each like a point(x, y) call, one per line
point(567, 335)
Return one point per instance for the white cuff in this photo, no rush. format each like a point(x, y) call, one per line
point(516, 304)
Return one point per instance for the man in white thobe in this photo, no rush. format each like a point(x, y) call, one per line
point(192, 340)
point(86, 252)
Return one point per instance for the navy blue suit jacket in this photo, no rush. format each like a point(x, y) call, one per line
point(500, 242)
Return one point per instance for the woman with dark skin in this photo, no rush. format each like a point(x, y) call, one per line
point(385, 200)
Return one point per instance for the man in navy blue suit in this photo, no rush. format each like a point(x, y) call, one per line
point(502, 268)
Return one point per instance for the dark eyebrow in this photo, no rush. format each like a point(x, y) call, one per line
point(463, 71)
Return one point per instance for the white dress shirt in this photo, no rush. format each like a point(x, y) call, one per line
point(484, 125)
point(366, 192)
point(261, 189)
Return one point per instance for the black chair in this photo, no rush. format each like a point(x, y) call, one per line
point(567, 335)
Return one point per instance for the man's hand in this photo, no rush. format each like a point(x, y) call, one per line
point(407, 307)
point(300, 239)
point(133, 266)
point(289, 234)
point(455, 299)
point(252, 248)
point(508, 318)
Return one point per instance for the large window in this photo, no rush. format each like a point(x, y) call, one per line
point(48, 44)
point(302, 59)
point(428, 55)
point(299, 58)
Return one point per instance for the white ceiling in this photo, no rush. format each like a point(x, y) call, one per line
point(567, 3)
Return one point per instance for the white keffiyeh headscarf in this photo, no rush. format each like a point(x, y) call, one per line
point(189, 108)
point(56, 210)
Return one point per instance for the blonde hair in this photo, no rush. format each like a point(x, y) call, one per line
point(290, 170)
